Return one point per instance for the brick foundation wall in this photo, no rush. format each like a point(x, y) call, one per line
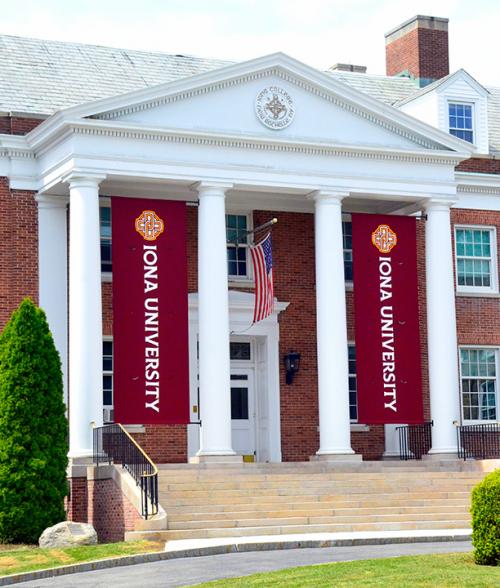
point(77, 500)
point(19, 257)
point(110, 511)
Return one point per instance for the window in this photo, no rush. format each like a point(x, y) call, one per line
point(105, 215)
point(478, 375)
point(347, 240)
point(237, 256)
point(460, 121)
point(240, 351)
point(353, 389)
point(475, 251)
point(107, 380)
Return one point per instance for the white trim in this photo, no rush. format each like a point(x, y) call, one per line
point(278, 64)
point(493, 288)
point(246, 280)
point(496, 348)
point(241, 306)
point(475, 122)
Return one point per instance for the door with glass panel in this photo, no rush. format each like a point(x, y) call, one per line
point(243, 412)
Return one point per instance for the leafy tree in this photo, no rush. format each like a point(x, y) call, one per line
point(486, 520)
point(33, 428)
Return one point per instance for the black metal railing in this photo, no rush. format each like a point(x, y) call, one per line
point(113, 445)
point(479, 441)
point(414, 440)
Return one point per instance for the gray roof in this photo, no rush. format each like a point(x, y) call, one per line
point(40, 77)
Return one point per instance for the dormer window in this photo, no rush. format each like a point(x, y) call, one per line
point(460, 121)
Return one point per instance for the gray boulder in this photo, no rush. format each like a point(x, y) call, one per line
point(68, 534)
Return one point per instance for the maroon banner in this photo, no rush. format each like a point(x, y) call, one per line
point(150, 313)
point(386, 315)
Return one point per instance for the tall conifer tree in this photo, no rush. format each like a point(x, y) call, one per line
point(33, 428)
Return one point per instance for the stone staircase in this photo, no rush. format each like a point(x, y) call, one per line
point(317, 497)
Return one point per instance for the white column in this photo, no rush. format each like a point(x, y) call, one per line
point(215, 394)
point(441, 328)
point(85, 314)
point(52, 272)
point(333, 378)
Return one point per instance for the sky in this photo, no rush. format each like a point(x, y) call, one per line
point(317, 32)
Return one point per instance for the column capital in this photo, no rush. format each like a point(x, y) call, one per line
point(439, 203)
point(51, 201)
point(328, 196)
point(213, 188)
point(77, 179)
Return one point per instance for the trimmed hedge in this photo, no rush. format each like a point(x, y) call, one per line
point(33, 428)
point(486, 520)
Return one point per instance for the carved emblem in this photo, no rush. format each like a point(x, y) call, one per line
point(384, 238)
point(149, 225)
point(274, 108)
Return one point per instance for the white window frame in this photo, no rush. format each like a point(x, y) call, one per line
point(249, 277)
point(109, 372)
point(497, 394)
point(105, 202)
point(472, 105)
point(353, 421)
point(493, 287)
point(346, 218)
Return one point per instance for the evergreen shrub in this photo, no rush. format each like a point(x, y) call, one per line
point(486, 520)
point(33, 428)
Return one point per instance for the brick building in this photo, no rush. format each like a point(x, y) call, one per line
point(81, 124)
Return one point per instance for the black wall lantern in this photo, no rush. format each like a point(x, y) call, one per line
point(292, 365)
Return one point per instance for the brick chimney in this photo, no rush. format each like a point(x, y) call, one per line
point(418, 48)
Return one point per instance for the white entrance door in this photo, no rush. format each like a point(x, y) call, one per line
point(243, 412)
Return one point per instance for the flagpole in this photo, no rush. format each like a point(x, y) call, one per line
point(243, 236)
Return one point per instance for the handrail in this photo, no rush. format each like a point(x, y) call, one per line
point(479, 441)
point(114, 445)
point(155, 469)
point(414, 440)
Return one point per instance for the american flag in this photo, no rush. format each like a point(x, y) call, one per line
point(262, 259)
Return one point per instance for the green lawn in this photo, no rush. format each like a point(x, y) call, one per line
point(436, 571)
point(15, 559)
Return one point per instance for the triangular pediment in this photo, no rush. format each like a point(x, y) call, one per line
point(270, 98)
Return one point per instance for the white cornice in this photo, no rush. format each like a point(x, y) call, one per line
point(477, 183)
point(291, 69)
point(128, 131)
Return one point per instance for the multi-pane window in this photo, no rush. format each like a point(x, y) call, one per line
point(475, 258)
point(237, 255)
point(478, 372)
point(460, 121)
point(353, 389)
point(107, 379)
point(347, 241)
point(105, 214)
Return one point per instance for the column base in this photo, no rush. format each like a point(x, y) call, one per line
point(77, 465)
point(337, 457)
point(442, 456)
point(199, 459)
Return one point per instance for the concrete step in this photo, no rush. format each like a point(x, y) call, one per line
point(314, 489)
point(166, 500)
point(174, 518)
point(342, 503)
point(294, 529)
point(319, 520)
point(225, 484)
